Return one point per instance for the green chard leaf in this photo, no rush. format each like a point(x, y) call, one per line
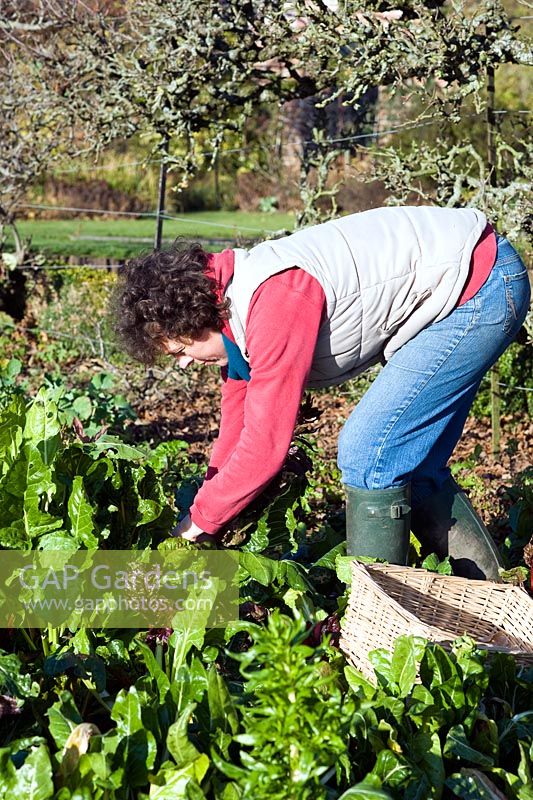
point(458, 746)
point(63, 718)
point(81, 515)
point(221, 707)
point(31, 781)
point(134, 747)
point(12, 680)
point(403, 664)
point(365, 790)
point(42, 426)
point(12, 420)
point(179, 745)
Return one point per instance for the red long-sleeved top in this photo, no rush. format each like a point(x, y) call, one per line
point(258, 416)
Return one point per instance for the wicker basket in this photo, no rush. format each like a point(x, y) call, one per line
point(389, 601)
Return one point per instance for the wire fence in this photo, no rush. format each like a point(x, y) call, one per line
point(390, 130)
point(235, 228)
point(39, 267)
point(83, 338)
point(148, 214)
point(71, 337)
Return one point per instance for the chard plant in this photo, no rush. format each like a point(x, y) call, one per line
point(59, 492)
point(267, 707)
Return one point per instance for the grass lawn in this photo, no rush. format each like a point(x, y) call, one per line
point(125, 237)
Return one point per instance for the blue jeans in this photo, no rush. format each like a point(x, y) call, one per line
point(407, 424)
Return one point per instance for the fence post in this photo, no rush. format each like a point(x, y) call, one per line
point(495, 394)
point(161, 195)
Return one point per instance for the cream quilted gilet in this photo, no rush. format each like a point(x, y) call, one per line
point(386, 273)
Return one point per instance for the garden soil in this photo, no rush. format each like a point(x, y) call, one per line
point(193, 415)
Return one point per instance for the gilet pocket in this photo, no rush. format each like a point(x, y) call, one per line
point(394, 321)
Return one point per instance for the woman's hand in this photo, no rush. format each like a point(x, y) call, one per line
point(186, 529)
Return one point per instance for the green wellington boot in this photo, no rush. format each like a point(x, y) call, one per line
point(377, 522)
point(447, 524)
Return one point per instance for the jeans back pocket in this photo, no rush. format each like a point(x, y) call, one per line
point(517, 296)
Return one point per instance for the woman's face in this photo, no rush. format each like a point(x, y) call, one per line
point(207, 348)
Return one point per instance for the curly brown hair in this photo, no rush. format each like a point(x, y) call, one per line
point(165, 294)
